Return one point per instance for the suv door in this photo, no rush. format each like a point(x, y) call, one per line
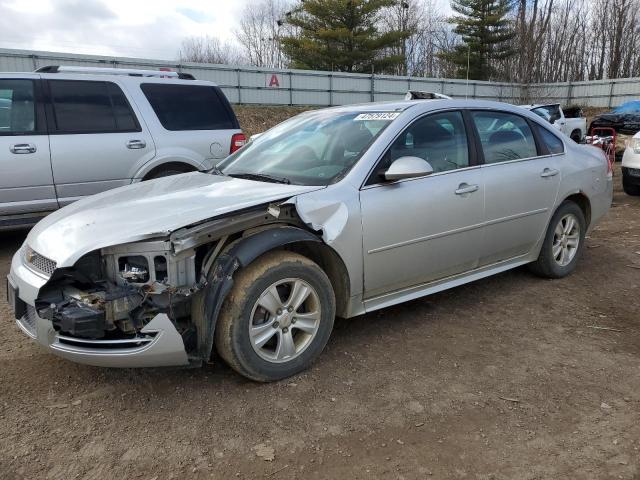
point(521, 180)
point(420, 230)
point(26, 182)
point(96, 138)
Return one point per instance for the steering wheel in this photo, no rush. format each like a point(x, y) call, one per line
point(301, 157)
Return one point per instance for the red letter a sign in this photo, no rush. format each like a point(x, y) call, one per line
point(274, 82)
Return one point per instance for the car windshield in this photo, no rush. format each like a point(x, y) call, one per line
point(629, 107)
point(316, 148)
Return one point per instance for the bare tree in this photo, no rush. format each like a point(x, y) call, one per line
point(262, 24)
point(209, 50)
point(431, 34)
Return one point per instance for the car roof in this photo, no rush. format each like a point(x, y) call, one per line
point(423, 105)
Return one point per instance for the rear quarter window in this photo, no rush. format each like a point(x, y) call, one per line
point(189, 107)
point(552, 143)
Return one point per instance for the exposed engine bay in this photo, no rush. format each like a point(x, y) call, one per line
point(113, 293)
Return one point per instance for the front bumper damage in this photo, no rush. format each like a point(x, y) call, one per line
point(158, 343)
point(138, 304)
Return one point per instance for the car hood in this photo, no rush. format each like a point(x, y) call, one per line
point(145, 210)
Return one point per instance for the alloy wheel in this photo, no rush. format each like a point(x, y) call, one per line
point(566, 239)
point(284, 320)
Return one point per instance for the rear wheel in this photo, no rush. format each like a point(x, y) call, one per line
point(576, 136)
point(563, 242)
point(167, 171)
point(278, 317)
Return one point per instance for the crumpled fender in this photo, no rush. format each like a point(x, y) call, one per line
point(326, 216)
point(220, 278)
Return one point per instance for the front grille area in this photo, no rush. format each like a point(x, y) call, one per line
point(28, 320)
point(39, 262)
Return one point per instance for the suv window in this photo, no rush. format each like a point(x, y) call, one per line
point(188, 107)
point(549, 140)
point(504, 136)
point(440, 139)
point(81, 106)
point(17, 106)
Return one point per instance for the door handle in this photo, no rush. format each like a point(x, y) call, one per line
point(466, 188)
point(20, 148)
point(549, 172)
point(136, 144)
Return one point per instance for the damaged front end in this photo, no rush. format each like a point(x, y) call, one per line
point(123, 306)
point(132, 305)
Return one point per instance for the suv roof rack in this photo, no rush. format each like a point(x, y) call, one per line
point(115, 71)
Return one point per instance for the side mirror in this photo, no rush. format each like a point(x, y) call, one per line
point(408, 167)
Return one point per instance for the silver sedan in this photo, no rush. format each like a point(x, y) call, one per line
point(335, 212)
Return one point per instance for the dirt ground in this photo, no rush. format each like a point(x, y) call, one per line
point(506, 378)
point(255, 119)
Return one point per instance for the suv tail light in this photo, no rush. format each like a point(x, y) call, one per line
point(238, 141)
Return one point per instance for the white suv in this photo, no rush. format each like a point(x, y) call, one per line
point(69, 132)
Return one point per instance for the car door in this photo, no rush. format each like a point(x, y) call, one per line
point(424, 229)
point(521, 184)
point(26, 181)
point(96, 137)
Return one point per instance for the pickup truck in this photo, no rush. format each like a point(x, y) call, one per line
point(569, 121)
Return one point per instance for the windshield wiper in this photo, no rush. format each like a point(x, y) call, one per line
point(261, 177)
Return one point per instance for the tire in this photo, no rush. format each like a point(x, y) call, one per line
point(244, 309)
point(551, 263)
point(629, 188)
point(576, 136)
point(166, 173)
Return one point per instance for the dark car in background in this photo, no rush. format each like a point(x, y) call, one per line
point(624, 119)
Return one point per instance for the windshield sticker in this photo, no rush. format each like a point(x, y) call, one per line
point(388, 116)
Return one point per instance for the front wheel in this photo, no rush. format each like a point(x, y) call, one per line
point(563, 242)
point(278, 317)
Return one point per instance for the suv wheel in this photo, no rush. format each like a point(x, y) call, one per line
point(167, 172)
point(563, 242)
point(278, 317)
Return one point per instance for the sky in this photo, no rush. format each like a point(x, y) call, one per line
point(132, 28)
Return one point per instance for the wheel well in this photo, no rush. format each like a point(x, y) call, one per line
point(183, 167)
point(331, 263)
point(583, 202)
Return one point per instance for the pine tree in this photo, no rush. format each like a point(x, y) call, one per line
point(486, 34)
point(342, 35)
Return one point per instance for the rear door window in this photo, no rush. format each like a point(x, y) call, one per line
point(90, 107)
point(17, 107)
point(504, 136)
point(188, 107)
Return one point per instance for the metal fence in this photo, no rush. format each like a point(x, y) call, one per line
point(277, 86)
point(250, 85)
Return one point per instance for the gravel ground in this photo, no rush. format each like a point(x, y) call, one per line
point(505, 378)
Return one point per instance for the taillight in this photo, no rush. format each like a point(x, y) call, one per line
point(238, 141)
